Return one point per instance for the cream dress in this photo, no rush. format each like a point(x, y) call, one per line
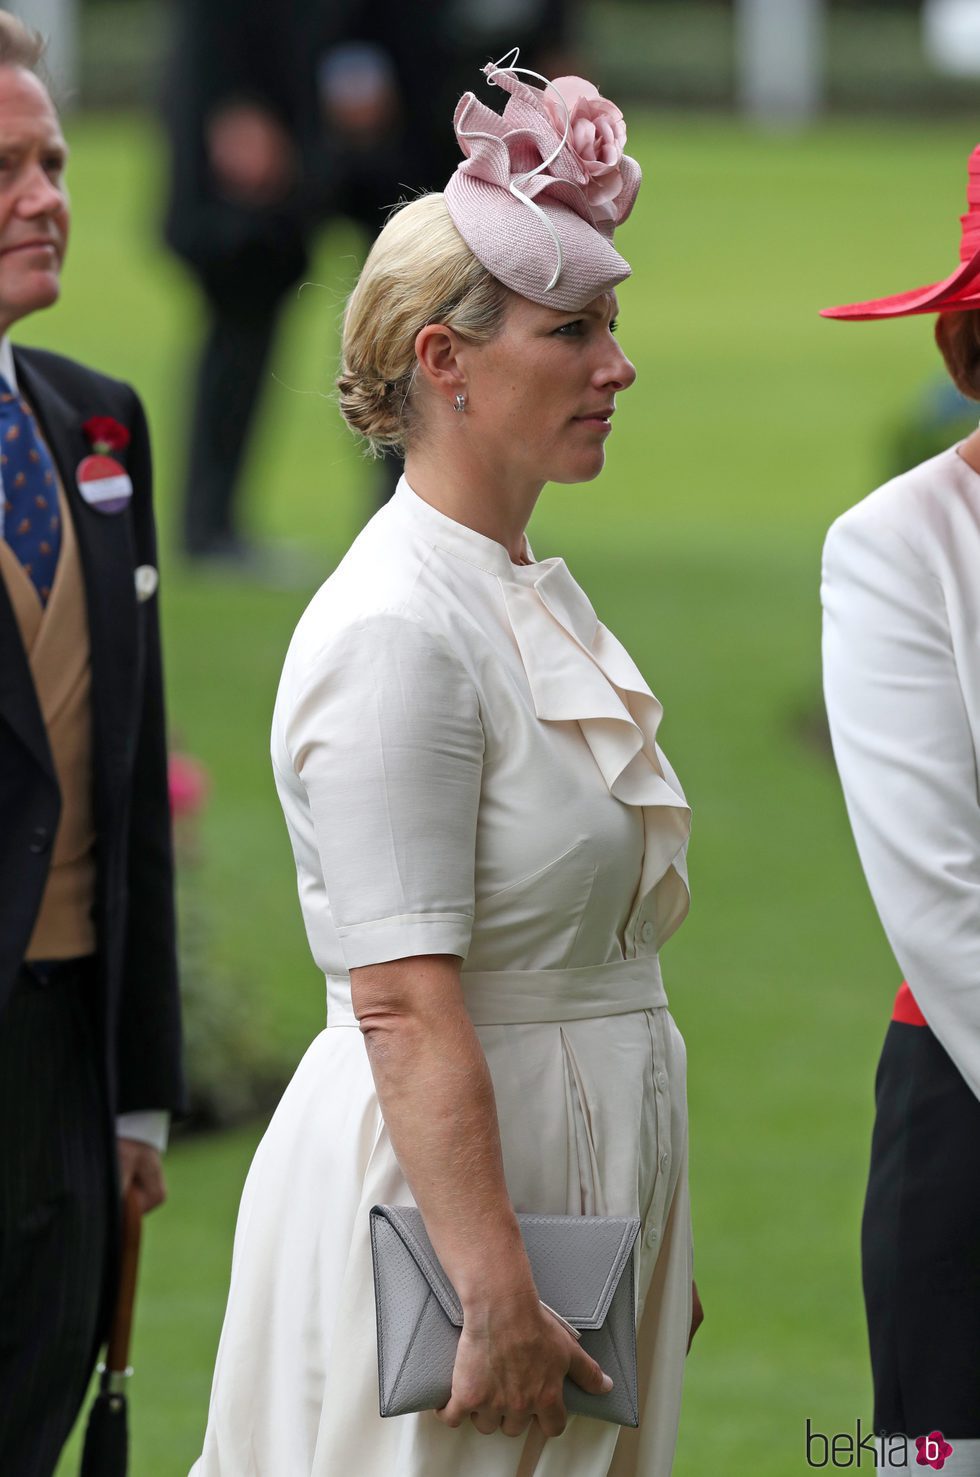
point(467, 763)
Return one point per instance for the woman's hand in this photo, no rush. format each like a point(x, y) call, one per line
point(437, 1100)
point(510, 1365)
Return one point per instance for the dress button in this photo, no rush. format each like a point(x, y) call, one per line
point(662, 1080)
point(664, 1159)
point(646, 932)
point(40, 840)
point(652, 1236)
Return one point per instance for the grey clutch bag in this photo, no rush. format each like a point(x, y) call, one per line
point(583, 1270)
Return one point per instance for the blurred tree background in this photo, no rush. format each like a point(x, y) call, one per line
point(753, 424)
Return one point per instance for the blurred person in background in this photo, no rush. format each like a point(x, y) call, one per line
point(901, 597)
point(491, 852)
point(282, 114)
point(89, 1026)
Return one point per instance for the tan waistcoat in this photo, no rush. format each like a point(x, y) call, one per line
point(56, 639)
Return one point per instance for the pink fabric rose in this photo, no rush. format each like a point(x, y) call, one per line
point(597, 134)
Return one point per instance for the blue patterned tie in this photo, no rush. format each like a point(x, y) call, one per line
point(31, 524)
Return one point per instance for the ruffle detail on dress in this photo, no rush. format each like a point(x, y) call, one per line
point(578, 672)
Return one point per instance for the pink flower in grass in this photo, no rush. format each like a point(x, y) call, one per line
point(187, 781)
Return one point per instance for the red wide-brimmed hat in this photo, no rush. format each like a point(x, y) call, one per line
point(959, 291)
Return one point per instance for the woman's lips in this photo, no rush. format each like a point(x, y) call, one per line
point(600, 420)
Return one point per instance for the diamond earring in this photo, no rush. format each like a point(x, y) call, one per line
point(459, 403)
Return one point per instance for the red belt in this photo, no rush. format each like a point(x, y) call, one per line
point(906, 1010)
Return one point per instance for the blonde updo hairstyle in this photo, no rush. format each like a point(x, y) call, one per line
point(418, 271)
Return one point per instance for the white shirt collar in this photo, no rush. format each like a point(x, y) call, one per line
point(10, 375)
point(7, 363)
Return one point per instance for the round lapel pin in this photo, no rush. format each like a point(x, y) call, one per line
point(104, 483)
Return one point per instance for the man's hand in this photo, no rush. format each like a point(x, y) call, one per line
point(140, 1165)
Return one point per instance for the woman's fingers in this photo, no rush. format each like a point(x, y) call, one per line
point(532, 1390)
point(552, 1419)
point(452, 1413)
point(485, 1421)
point(514, 1423)
point(585, 1372)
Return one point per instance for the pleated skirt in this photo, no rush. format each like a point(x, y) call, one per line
point(593, 1121)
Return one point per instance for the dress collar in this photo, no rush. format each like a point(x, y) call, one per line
point(458, 538)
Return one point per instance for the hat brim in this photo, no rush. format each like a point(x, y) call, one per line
point(957, 292)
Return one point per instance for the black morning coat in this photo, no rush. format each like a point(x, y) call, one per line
point(139, 1026)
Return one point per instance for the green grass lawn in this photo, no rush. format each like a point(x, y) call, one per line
point(752, 425)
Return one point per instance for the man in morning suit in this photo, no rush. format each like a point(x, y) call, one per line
point(89, 1026)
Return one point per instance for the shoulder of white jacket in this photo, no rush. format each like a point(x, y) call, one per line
point(378, 574)
point(369, 606)
point(906, 506)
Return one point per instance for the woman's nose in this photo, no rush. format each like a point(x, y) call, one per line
point(629, 372)
point(619, 373)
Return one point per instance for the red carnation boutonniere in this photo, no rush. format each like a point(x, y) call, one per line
point(104, 482)
point(106, 435)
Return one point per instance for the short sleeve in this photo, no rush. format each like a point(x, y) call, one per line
point(385, 736)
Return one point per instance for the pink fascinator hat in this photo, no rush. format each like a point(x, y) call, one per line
point(958, 291)
point(543, 186)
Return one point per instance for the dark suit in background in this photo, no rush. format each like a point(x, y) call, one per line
point(89, 1033)
point(86, 1039)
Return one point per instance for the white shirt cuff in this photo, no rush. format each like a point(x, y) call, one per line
point(152, 1126)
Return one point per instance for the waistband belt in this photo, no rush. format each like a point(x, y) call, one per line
point(525, 997)
point(47, 974)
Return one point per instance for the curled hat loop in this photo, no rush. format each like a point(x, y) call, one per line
point(506, 65)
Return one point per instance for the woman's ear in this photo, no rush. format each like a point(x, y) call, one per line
point(437, 350)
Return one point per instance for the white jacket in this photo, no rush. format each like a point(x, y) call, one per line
point(901, 597)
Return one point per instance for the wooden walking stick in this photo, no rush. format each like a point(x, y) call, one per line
point(106, 1452)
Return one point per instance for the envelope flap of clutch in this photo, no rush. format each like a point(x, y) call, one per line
point(578, 1262)
point(407, 1221)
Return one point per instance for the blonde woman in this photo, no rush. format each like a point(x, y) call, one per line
point(490, 850)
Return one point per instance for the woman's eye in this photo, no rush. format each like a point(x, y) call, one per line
point(614, 325)
point(570, 330)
